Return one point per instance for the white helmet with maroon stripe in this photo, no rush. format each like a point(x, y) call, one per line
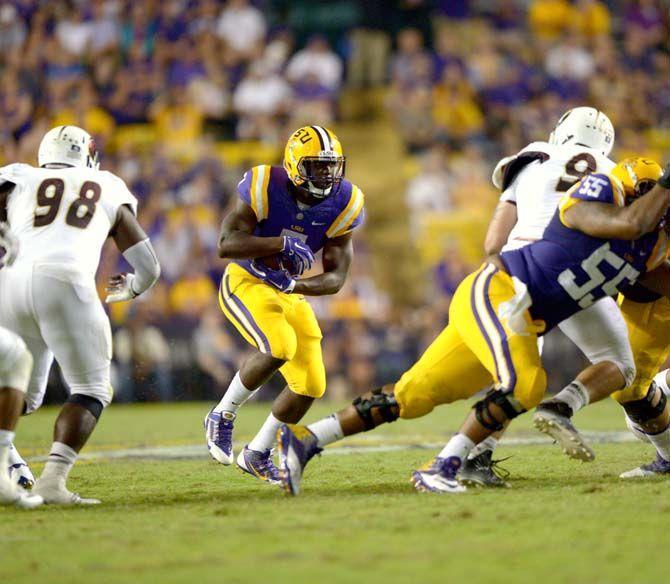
point(584, 126)
point(68, 145)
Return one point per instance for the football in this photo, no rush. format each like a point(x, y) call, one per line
point(273, 262)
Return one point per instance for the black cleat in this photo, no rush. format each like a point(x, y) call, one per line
point(483, 471)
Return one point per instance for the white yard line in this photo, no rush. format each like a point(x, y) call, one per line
point(195, 451)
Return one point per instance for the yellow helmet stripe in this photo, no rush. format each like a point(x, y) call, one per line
point(260, 178)
point(344, 220)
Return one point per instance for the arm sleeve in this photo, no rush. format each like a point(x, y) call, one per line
point(142, 258)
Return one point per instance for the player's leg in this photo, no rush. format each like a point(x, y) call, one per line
point(645, 401)
point(447, 371)
point(258, 312)
point(492, 318)
point(15, 366)
point(600, 332)
point(17, 316)
point(305, 376)
point(76, 329)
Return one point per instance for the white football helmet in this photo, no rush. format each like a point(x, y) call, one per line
point(585, 126)
point(68, 145)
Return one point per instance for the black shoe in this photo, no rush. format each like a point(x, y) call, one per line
point(483, 471)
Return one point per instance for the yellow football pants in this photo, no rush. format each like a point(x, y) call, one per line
point(278, 324)
point(475, 349)
point(649, 333)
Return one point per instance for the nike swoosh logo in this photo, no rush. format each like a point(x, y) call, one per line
point(317, 223)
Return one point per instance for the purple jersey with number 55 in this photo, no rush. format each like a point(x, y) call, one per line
point(266, 190)
point(568, 270)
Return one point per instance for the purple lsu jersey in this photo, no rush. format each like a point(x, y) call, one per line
point(568, 270)
point(266, 190)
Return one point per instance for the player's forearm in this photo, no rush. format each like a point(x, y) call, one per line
point(644, 214)
point(239, 245)
point(503, 221)
point(321, 285)
point(657, 280)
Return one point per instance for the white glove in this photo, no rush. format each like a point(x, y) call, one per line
point(120, 288)
point(9, 246)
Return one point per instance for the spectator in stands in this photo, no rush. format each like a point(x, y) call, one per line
point(13, 31)
point(316, 61)
point(547, 19)
point(260, 100)
point(411, 65)
point(243, 28)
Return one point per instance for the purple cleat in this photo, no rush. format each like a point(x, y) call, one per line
point(259, 465)
point(219, 435)
point(439, 476)
point(297, 446)
point(660, 466)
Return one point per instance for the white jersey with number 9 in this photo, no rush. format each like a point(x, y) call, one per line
point(537, 177)
point(62, 216)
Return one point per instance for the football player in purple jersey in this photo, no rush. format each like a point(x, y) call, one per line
point(283, 217)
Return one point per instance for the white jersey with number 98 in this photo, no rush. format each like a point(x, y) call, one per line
point(62, 216)
point(537, 177)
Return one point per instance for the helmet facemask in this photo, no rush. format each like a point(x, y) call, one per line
point(319, 174)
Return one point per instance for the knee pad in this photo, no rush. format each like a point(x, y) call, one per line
point(384, 403)
point(642, 411)
point(92, 404)
point(17, 374)
point(505, 401)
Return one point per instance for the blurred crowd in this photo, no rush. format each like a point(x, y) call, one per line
point(165, 85)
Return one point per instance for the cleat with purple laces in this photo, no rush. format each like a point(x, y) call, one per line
point(439, 476)
point(259, 465)
point(219, 435)
point(660, 466)
point(297, 446)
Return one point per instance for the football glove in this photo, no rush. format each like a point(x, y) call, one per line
point(279, 279)
point(120, 288)
point(296, 256)
point(9, 246)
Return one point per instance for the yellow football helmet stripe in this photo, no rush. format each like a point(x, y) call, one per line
point(344, 220)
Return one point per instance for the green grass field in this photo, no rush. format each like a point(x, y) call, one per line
point(357, 520)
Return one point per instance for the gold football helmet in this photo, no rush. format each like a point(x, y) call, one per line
point(637, 175)
point(314, 161)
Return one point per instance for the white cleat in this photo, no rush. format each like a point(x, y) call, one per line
point(19, 471)
point(560, 428)
point(439, 476)
point(658, 467)
point(54, 492)
point(12, 494)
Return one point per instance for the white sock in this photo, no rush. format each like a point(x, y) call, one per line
point(485, 445)
point(6, 439)
point(459, 445)
point(327, 430)
point(235, 396)
point(661, 442)
point(575, 395)
point(266, 436)
point(60, 462)
point(661, 380)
